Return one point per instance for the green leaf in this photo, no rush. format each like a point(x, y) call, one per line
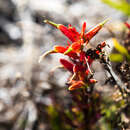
point(121, 5)
point(119, 47)
point(116, 57)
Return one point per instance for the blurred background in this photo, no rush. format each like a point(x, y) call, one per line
point(26, 86)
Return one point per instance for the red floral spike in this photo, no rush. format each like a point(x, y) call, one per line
point(67, 64)
point(78, 39)
point(89, 35)
point(70, 32)
point(80, 60)
point(76, 85)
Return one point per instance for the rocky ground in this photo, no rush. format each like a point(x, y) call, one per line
point(24, 83)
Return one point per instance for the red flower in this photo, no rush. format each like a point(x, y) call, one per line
point(90, 34)
point(80, 62)
point(78, 39)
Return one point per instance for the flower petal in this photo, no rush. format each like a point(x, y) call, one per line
point(67, 64)
point(76, 85)
point(83, 29)
point(75, 47)
point(60, 49)
point(70, 32)
point(89, 35)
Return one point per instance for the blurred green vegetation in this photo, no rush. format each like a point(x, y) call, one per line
point(123, 53)
point(105, 108)
point(121, 5)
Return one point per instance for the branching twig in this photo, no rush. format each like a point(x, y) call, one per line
point(117, 80)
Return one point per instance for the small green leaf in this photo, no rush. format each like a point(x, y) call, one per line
point(121, 5)
point(116, 57)
point(119, 47)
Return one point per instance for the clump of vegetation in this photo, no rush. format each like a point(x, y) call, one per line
point(88, 109)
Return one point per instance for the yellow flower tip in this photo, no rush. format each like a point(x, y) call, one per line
point(71, 88)
point(67, 51)
point(45, 21)
point(51, 23)
point(105, 21)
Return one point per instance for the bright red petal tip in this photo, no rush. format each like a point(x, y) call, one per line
point(60, 49)
point(83, 29)
point(89, 35)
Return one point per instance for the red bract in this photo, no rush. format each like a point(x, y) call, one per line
point(80, 60)
point(82, 57)
point(90, 34)
point(76, 85)
point(68, 65)
point(61, 49)
point(78, 39)
point(70, 32)
point(83, 30)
